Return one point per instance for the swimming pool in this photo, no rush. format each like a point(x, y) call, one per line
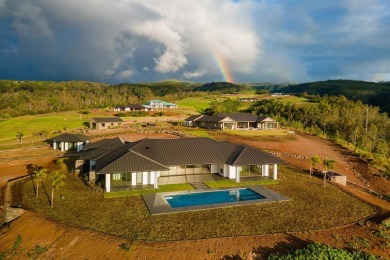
point(212, 197)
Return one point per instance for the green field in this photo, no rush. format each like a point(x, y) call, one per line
point(196, 103)
point(32, 125)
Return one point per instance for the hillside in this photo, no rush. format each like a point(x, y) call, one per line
point(376, 94)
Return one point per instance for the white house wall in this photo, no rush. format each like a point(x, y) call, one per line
point(108, 182)
point(214, 168)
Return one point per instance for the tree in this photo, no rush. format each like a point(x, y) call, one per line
point(19, 137)
point(39, 175)
point(56, 183)
point(314, 161)
point(328, 165)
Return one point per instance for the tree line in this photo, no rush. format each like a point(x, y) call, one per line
point(359, 126)
point(36, 97)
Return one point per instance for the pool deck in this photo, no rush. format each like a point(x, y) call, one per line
point(157, 204)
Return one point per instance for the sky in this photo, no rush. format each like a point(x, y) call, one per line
point(116, 41)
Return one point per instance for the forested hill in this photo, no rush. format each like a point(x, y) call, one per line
point(376, 94)
point(36, 97)
point(223, 87)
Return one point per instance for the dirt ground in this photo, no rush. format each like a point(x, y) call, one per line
point(66, 242)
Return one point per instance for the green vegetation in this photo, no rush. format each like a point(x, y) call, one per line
point(357, 126)
point(231, 183)
point(320, 251)
point(129, 217)
point(376, 94)
point(197, 103)
point(33, 125)
point(222, 87)
point(199, 132)
point(161, 188)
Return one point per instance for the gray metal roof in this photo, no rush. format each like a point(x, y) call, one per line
point(193, 117)
point(157, 154)
point(132, 162)
point(107, 120)
point(72, 138)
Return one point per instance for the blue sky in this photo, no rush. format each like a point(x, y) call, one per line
point(196, 40)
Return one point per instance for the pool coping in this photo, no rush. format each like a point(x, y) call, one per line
point(157, 204)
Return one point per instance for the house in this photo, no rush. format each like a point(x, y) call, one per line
point(118, 164)
point(247, 99)
point(228, 121)
point(100, 123)
point(67, 142)
point(159, 104)
point(131, 107)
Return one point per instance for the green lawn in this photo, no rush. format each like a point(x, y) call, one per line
point(29, 125)
point(312, 206)
point(196, 103)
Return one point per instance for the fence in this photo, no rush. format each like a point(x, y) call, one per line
point(367, 190)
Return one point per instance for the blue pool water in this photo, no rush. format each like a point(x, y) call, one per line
point(212, 197)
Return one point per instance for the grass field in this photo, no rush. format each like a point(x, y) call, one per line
point(29, 125)
point(196, 103)
point(312, 206)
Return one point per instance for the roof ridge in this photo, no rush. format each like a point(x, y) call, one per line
point(241, 152)
point(143, 156)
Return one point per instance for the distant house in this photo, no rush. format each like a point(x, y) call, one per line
point(159, 104)
point(67, 142)
point(243, 121)
point(100, 123)
point(248, 99)
point(120, 165)
point(131, 107)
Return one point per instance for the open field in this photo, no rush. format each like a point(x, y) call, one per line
point(318, 207)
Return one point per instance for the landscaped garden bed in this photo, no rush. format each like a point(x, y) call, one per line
point(312, 206)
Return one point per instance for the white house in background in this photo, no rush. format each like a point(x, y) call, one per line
point(131, 108)
point(228, 121)
point(67, 142)
point(159, 104)
point(119, 164)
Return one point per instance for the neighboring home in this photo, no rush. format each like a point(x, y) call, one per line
point(159, 104)
point(67, 142)
point(131, 107)
point(248, 99)
point(100, 123)
point(243, 121)
point(148, 162)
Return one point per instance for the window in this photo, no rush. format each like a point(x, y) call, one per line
point(103, 125)
point(116, 177)
point(112, 124)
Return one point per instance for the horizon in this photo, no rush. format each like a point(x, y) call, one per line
point(245, 41)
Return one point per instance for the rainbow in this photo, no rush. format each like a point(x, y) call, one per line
point(223, 68)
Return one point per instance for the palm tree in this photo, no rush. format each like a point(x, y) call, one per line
point(328, 165)
point(314, 161)
point(39, 174)
point(56, 183)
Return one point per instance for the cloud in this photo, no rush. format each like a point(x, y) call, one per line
point(133, 40)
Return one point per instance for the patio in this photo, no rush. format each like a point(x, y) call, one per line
point(188, 178)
